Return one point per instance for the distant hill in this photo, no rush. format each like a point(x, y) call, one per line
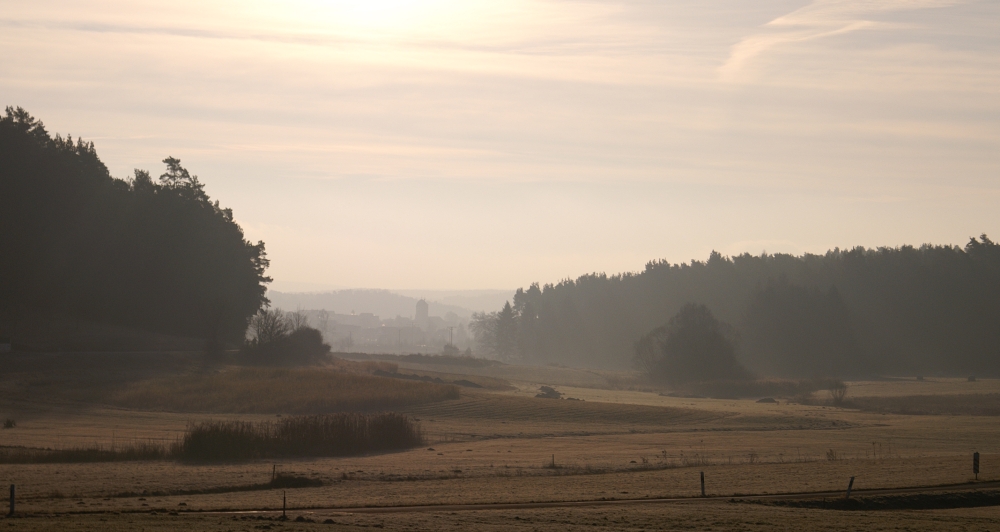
point(382, 303)
point(474, 300)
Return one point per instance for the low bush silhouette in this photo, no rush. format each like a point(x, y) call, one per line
point(283, 339)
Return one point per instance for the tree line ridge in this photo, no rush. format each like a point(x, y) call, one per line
point(927, 309)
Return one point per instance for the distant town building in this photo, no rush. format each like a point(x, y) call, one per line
point(420, 320)
point(365, 319)
point(367, 332)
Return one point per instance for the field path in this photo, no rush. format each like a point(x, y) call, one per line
point(618, 502)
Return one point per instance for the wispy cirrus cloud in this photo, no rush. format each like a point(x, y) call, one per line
point(818, 20)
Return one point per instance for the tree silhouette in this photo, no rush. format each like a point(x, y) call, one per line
point(78, 243)
point(693, 346)
point(496, 332)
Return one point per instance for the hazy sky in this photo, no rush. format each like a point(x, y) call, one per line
point(488, 144)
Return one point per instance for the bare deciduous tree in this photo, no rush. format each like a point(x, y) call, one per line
point(838, 392)
point(297, 320)
point(268, 326)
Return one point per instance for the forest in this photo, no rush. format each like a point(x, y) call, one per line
point(146, 254)
point(932, 309)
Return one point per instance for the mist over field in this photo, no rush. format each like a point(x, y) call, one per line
point(500, 265)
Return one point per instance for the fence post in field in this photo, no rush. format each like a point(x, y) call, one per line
point(284, 505)
point(702, 483)
point(849, 486)
point(975, 464)
point(11, 500)
point(274, 470)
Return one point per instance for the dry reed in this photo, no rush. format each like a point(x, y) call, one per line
point(341, 434)
point(326, 435)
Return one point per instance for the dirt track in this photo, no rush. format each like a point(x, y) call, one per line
point(620, 502)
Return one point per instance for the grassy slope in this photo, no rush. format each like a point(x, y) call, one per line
point(269, 390)
point(187, 383)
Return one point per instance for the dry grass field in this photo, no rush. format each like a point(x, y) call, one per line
point(486, 446)
point(271, 391)
point(686, 516)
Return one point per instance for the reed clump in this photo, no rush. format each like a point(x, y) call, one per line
point(341, 434)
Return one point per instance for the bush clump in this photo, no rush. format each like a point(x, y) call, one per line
point(283, 339)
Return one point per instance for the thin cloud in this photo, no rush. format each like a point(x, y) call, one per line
point(544, 46)
point(821, 19)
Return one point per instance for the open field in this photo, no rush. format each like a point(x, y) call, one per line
point(492, 446)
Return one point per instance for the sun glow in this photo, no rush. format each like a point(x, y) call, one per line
point(387, 16)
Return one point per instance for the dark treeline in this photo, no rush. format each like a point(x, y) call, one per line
point(150, 254)
point(932, 309)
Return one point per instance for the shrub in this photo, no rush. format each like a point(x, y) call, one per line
point(298, 348)
point(268, 326)
point(838, 392)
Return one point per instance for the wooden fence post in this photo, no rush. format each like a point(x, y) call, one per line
point(702, 483)
point(11, 500)
point(849, 486)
